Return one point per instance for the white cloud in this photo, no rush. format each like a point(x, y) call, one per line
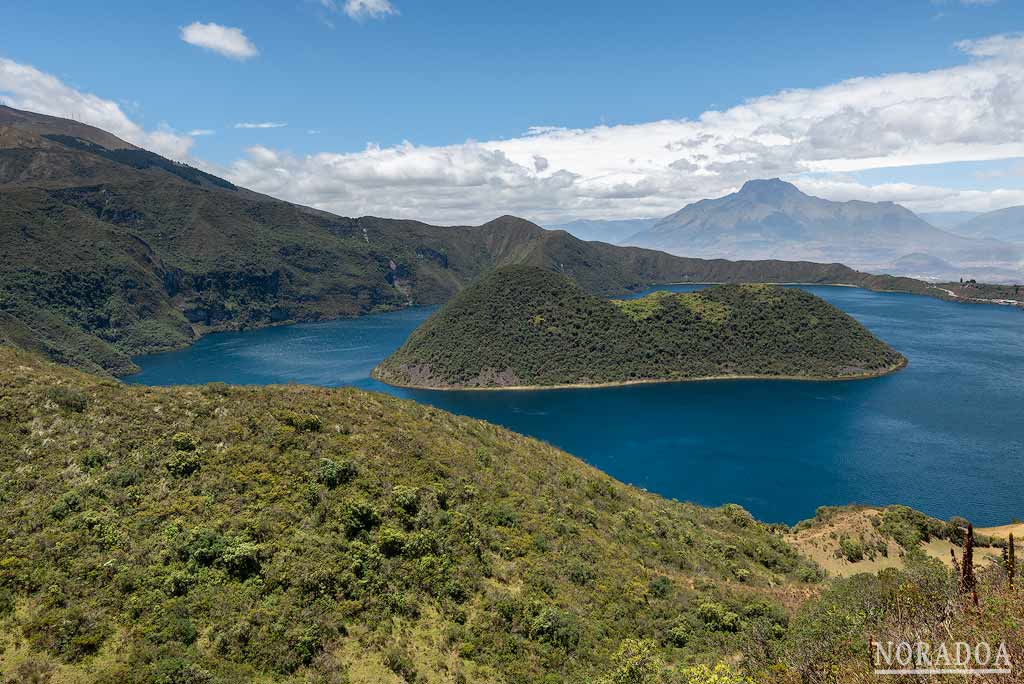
point(264, 124)
point(973, 111)
point(224, 40)
point(202, 131)
point(363, 9)
point(25, 87)
point(921, 198)
point(815, 137)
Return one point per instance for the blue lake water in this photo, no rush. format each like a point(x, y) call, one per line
point(945, 435)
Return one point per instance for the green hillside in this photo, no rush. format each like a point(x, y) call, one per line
point(302, 535)
point(524, 326)
point(299, 534)
point(108, 251)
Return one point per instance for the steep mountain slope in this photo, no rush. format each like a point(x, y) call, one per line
point(523, 326)
point(299, 534)
point(773, 219)
point(1003, 224)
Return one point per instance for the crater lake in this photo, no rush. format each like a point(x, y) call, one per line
point(944, 436)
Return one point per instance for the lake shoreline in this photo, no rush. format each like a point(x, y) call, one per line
point(652, 381)
point(200, 332)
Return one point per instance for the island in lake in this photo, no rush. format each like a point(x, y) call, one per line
point(526, 327)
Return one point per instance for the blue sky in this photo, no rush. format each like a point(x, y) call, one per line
point(440, 73)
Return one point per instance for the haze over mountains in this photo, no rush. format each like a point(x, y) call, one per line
point(773, 219)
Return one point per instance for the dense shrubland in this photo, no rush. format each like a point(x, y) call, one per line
point(526, 326)
point(221, 534)
point(295, 534)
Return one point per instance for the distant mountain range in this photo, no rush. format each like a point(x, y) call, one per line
point(1003, 224)
point(611, 231)
point(773, 219)
point(108, 250)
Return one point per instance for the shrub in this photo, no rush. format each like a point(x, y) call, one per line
point(69, 399)
point(301, 423)
point(718, 618)
point(184, 441)
point(241, 559)
point(399, 661)
point(32, 671)
point(391, 541)
point(557, 627)
point(852, 549)
point(183, 463)
point(68, 503)
point(69, 633)
point(93, 458)
point(333, 473)
point(406, 498)
point(721, 673)
point(660, 586)
point(359, 516)
point(580, 573)
point(175, 670)
point(634, 662)
point(679, 635)
point(204, 547)
point(738, 515)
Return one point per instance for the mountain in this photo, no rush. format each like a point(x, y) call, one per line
point(773, 219)
point(520, 326)
point(924, 266)
point(611, 231)
point(948, 220)
point(107, 251)
point(1003, 224)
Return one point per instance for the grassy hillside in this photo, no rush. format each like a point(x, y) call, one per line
point(223, 535)
point(107, 251)
point(524, 326)
point(297, 534)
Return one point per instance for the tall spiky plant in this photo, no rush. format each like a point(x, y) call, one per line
point(1011, 562)
point(968, 583)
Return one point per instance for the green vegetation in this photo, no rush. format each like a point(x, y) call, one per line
point(523, 326)
point(109, 251)
point(335, 535)
point(297, 534)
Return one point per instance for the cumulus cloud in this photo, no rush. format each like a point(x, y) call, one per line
point(263, 124)
point(816, 137)
point(25, 87)
point(973, 111)
point(224, 40)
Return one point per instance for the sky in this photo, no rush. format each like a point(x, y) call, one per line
point(457, 112)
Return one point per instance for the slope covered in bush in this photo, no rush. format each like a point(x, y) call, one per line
point(299, 534)
point(523, 326)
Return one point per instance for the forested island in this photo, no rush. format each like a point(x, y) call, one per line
point(521, 326)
